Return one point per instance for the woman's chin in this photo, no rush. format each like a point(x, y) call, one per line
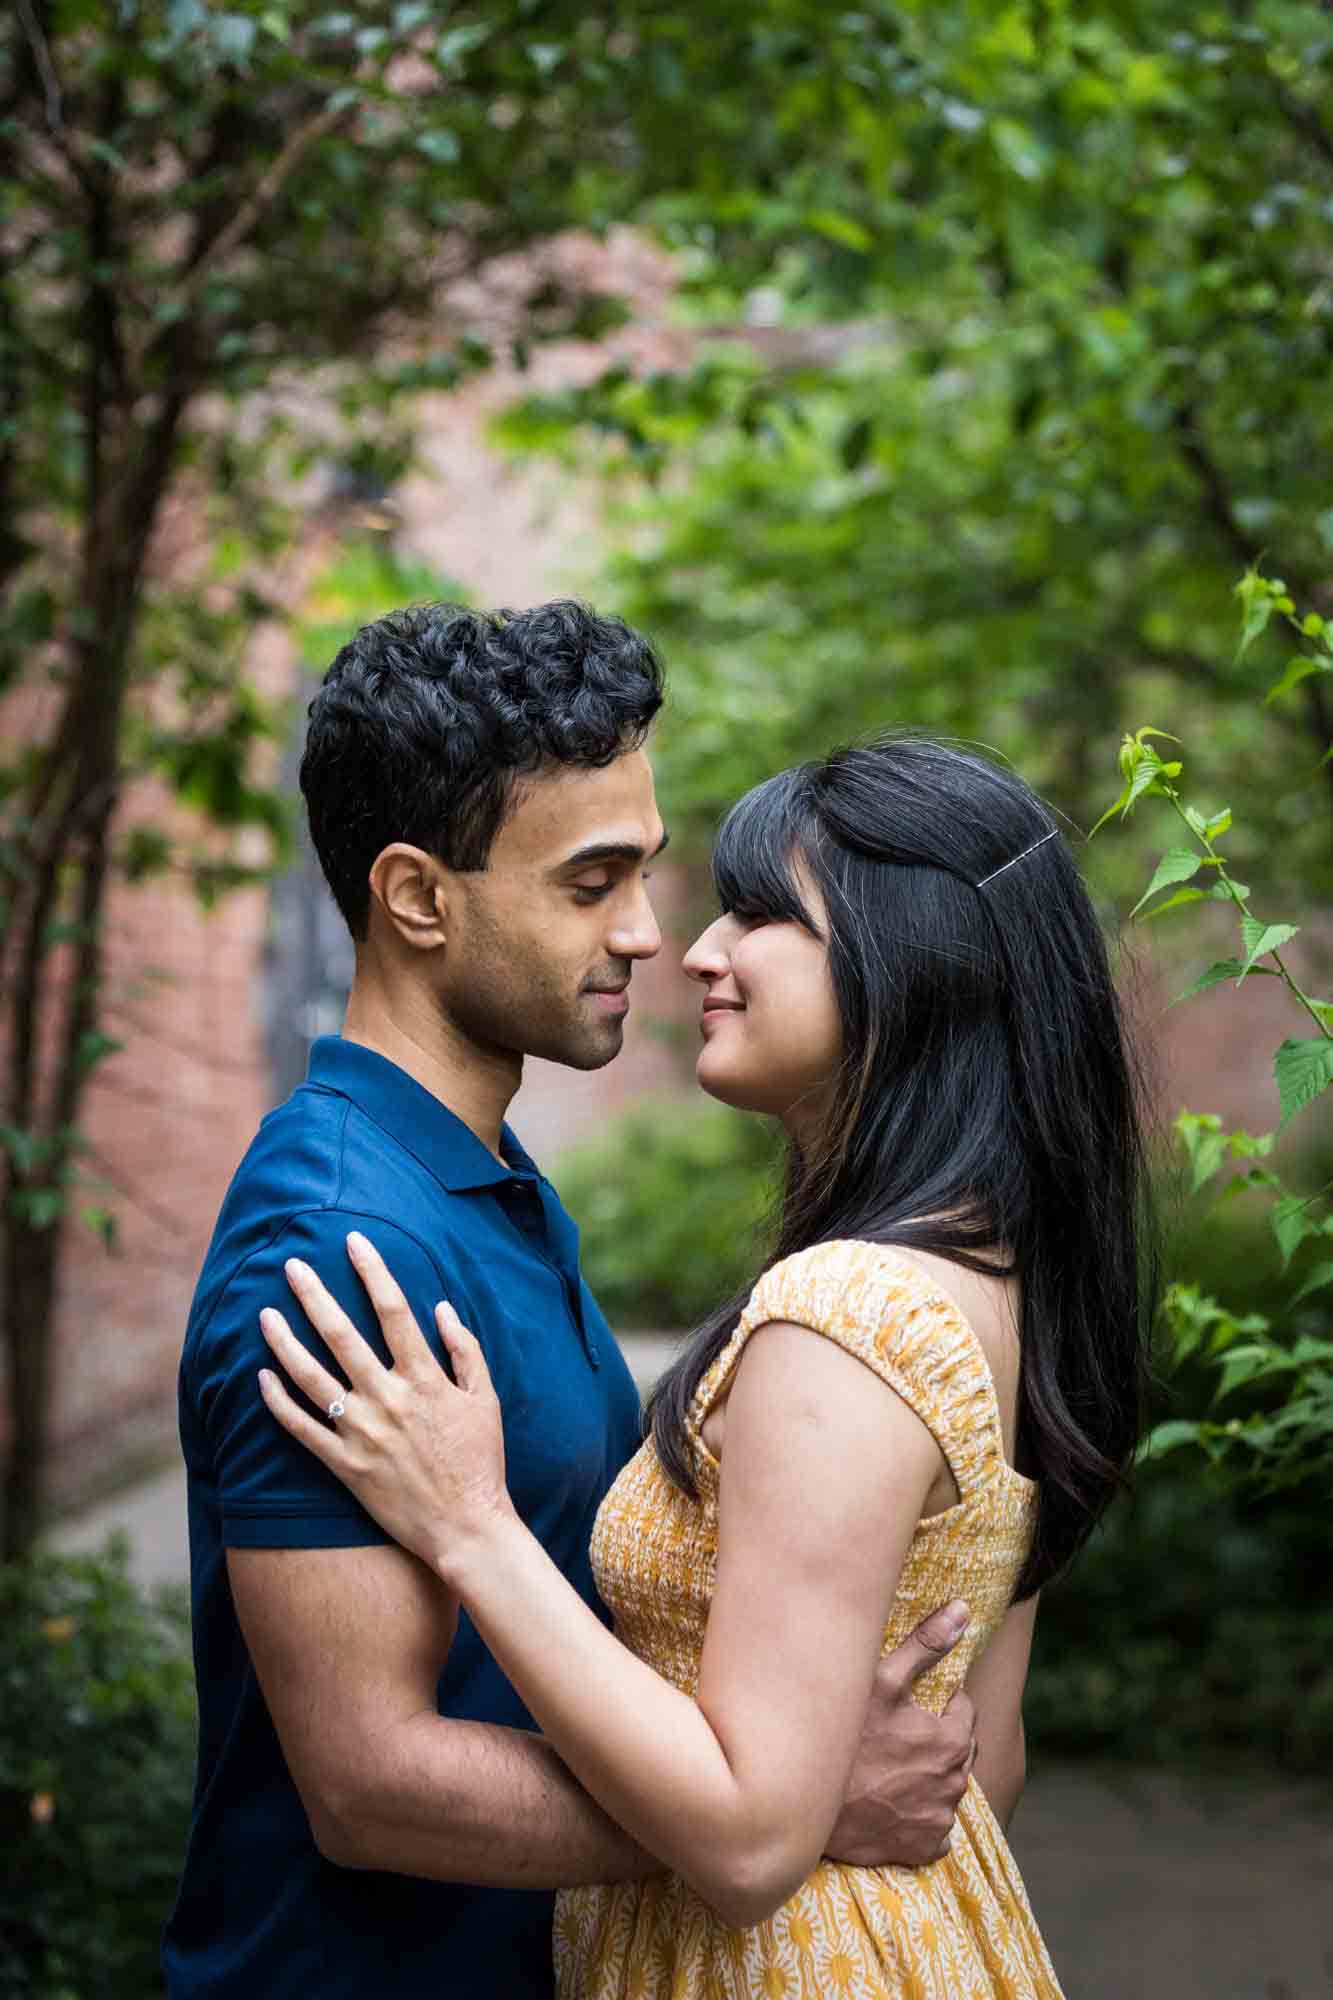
point(713, 1079)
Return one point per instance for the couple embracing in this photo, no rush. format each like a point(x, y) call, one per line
point(506, 1690)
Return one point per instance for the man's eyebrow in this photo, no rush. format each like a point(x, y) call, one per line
point(610, 850)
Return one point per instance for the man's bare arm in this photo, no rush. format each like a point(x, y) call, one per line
point(348, 1645)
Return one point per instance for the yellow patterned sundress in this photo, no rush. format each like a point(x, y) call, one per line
point(959, 1929)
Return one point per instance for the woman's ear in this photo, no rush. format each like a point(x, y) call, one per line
point(411, 890)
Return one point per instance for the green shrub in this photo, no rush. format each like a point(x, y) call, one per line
point(1191, 1630)
point(97, 1742)
point(670, 1203)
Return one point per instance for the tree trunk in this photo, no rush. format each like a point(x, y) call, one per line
point(27, 1300)
point(69, 852)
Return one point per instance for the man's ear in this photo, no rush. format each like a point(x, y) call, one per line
point(411, 889)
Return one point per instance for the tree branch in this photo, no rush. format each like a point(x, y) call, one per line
point(243, 219)
point(46, 70)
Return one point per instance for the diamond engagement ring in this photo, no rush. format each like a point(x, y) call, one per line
point(337, 1408)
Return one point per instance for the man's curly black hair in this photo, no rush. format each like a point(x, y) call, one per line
point(428, 716)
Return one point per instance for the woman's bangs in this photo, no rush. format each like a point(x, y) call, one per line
point(753, 854)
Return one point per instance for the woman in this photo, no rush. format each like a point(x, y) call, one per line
point(931, 1391)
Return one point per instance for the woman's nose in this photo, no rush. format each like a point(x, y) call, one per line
point(708, 957)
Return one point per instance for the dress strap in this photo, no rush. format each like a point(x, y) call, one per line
point(874, 1301)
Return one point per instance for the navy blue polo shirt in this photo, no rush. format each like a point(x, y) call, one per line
point(260, 1914)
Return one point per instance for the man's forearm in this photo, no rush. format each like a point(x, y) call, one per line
point(473, 1802)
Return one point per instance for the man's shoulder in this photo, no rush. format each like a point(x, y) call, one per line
point(317, 1168)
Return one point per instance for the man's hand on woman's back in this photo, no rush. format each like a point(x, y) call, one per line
point(912, 1767)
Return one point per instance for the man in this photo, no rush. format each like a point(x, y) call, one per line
point(375, 1815)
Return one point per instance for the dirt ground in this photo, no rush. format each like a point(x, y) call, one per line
point(1150, 1886)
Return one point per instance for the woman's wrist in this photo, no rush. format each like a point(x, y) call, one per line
point(471, 1550)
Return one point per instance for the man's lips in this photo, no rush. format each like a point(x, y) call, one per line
point(611, 999)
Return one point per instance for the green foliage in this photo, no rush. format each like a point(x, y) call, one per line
point(1283, 1360)
point(97, 1737)
point(1187, 1633)
point(670, 1205)
point(366, 578)
point(1039, 347)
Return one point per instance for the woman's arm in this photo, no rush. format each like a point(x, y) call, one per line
point(824, 1477)
point(995, 1683)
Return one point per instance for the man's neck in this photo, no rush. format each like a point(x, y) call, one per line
point(407, 1029)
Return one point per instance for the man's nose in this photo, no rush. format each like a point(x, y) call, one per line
point(637, 935)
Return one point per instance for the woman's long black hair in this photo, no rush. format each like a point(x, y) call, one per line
point(986, 1107)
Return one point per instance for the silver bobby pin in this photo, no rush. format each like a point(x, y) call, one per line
point(1017, 858)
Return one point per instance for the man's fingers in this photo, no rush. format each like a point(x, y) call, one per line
point(310, 1377)
point(933, 1638)
point(960, 1719)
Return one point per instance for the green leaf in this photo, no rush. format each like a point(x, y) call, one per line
point(1176, 865)
point(1314, 1280)
point(1293, 674)
point(839, 228)
point(439, 144)
point(1205, 1144)
point(147, 851)
point(1291, 1223)
point(458, 42)
point(103, 1223)
point(94, 1048)
point(38, 1208)
point(1303, 1070)
point(1220, 969)
point(1256, 609)
point(1261, 939)
point(1170, 1437)
point(1247, 1364)
point(1174, 902)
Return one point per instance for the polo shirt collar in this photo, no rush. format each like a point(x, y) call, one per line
point(433, 1134)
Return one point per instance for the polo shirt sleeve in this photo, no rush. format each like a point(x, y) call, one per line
point(272, 1492)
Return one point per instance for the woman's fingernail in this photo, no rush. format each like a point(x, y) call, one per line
point(265, 1379)
point(356, 1241)
point(296, 1269)
point(267, 1317)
